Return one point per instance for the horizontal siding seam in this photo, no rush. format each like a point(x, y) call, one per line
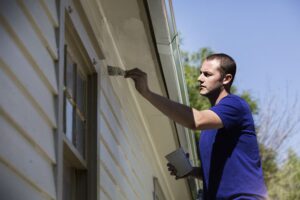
point(48, 13)
point(115, 116)
point(26, 136)
point(107, 122)
point(118, 143)
point(133, 153)
point(120, 167)
point(102, 164)
point(109, 127)
point(111, 108)
point(114, 134)
point(27, 55)
point(27, 94)
point(38, 31)
point(101, 188)
point(26, 179)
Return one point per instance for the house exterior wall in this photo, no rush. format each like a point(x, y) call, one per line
point(127, 155)
point(27, 86)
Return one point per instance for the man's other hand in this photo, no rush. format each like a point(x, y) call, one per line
point(173, 171)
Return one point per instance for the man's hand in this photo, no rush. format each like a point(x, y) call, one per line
point(195, 173)
point(140, 80)
point(173, 171)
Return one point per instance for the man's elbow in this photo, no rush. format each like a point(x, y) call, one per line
point(194, 126)
point(207, 119)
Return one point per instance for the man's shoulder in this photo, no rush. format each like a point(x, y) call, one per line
point(235, 102)
point(232, 99)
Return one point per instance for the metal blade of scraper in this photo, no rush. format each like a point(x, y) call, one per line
point(115, 71)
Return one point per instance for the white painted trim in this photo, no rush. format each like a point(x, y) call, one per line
point(77, 23)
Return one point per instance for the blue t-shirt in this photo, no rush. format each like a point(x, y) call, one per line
point(230, 160)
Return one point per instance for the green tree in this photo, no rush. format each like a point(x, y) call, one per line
point(269, 165)
point(285, 184)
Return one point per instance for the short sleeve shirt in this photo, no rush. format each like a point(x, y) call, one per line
point(230, 160)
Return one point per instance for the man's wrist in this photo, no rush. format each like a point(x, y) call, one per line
point(147, 94)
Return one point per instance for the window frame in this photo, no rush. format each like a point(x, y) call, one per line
point(63, 146)
point(158, 193)
point(72, 99)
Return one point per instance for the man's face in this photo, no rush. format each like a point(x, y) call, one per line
point(210, 78)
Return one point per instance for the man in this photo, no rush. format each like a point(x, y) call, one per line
point(229, 155)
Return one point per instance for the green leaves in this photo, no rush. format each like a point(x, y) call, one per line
point(285, 183)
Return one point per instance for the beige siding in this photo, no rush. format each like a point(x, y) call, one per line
point(24, 159)
point(50, 9)
point(28, 84)
point(122, 152)
point(108, 189)
point(20, 69)
point(16, 188)
point(41, 23)
point(126, 154)
point(20, 28)
point(24, 115)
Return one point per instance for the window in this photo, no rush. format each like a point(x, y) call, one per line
point(158, 193)
point(75, 95)
point(79, 120)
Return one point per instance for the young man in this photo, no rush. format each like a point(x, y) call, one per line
point(229, 155)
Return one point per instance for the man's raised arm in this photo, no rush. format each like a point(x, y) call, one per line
point(182, 114)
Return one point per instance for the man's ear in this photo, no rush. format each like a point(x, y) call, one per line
point(227, 79)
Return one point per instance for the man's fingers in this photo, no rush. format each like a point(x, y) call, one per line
point(170, 165)
point(134, 71)
point(171, 169)
point(187, 155)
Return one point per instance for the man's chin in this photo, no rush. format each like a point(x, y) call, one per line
point(204, 94)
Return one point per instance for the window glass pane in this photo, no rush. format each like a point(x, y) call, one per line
point(81, 93)
point(69, 120)
point(80, 135)
point(70, 76)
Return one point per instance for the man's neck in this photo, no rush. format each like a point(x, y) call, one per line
point(217, 98)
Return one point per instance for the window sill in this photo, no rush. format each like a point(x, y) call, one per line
point(72, 155)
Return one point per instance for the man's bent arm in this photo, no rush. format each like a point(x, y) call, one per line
point(184, 115)
point(180, 113)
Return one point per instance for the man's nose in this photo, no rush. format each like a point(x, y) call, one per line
point(200, 78)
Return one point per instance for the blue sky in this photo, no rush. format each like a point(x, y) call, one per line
point(262, 36)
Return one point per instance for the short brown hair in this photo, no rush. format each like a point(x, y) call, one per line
point(227, 64)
